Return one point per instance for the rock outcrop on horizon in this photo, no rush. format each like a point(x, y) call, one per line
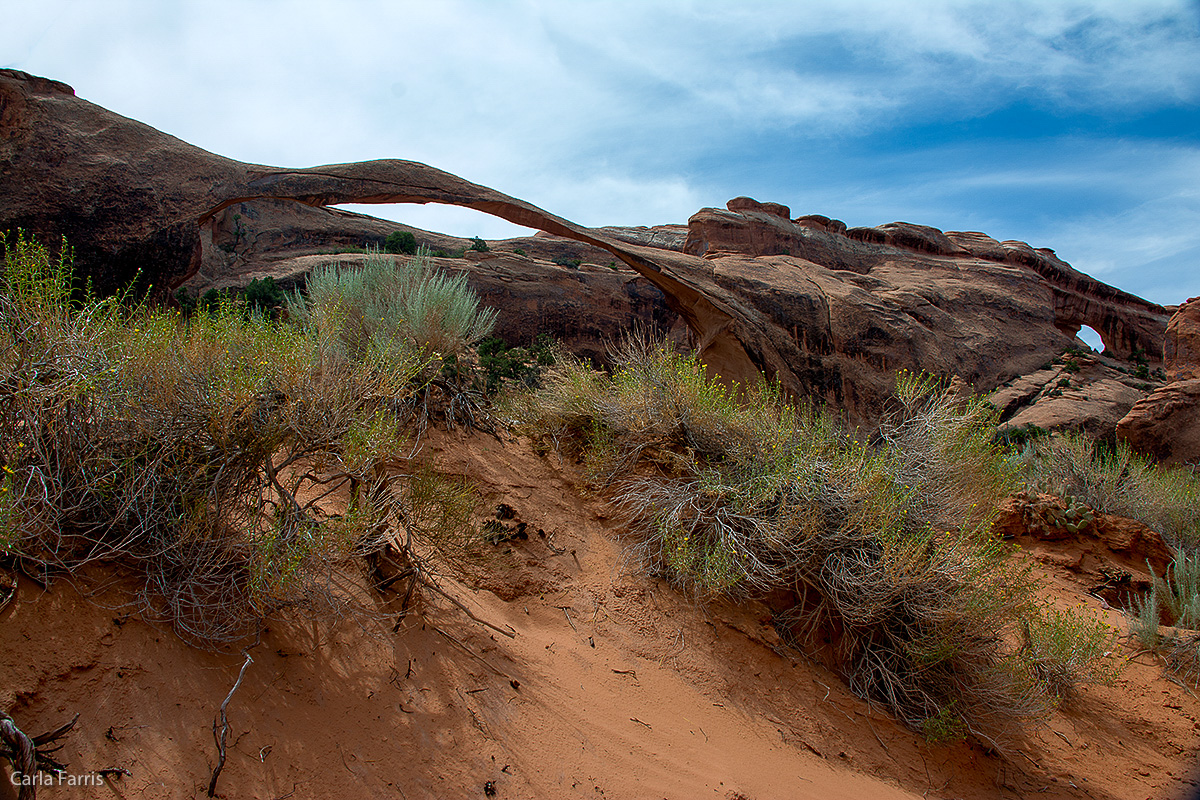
point(1125, 322)
point(830, 312)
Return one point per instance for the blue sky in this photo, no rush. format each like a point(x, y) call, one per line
point(1070, 125)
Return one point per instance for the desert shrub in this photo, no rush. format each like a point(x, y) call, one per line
point(400, 243)
point(1063, 649)
point(1019, 437)
point(521, 365)
point(1145, 620)
point(263, 294)
point(383, 300)
point(733, 489)
point(185, 301)
point(1181, 654)
point(567, 261)
point(479, 245)
point(1175, 595)
point(1177, 592)
point(409, 305)
point(200, 450)
point(1113, 479)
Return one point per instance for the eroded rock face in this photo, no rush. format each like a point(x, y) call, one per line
point(1166, 424)
point(827, 314)
point(1126, 323)
point(1181, 345)
point(1076, 392)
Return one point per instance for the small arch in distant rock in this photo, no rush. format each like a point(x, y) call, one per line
point(1091, 337)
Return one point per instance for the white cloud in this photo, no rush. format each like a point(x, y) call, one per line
point(618, 111)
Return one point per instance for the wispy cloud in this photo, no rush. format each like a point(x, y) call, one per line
point(637, 113)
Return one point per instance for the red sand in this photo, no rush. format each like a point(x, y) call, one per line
point(614, 686)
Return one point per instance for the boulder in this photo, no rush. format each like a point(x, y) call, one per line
point(1166, 424)
point(742, 204)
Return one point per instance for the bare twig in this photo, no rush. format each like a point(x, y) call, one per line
point(472, 654)
point(427, 581)
point(221, 737)
point(568, 616)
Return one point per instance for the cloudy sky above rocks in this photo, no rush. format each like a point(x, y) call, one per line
point(1070, 125)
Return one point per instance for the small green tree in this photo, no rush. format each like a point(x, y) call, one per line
point(400, 243)
point(263, 294)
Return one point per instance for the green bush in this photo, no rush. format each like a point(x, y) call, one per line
point(263, 294)
point(199, 450)
point(185, 301)
point(410, 306)
point(479, 245)
point(1177, 592)
point(1064, 649)
point(384, 302)
point(734, 490)
point(401, 243)
point(1019, 437)
point(522, 365)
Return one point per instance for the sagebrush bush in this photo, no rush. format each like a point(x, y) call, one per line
point(201, 449)
point(404, 306)
point(1175, 595)
point(1177, 591)
point(887, 543)
point(384, 301)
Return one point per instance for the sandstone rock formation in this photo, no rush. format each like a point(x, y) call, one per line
point(1125, 322)
point(1181, 345)
point(828, 312)
point(1078, 392)
point(1167, 423)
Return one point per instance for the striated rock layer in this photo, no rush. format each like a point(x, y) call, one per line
point(829, 312)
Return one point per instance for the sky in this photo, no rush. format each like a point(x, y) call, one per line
point(1068, 125)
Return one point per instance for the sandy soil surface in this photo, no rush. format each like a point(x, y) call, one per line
point(612, 686)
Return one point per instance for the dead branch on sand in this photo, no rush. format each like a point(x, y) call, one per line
point(30, 755)
point(224, 718)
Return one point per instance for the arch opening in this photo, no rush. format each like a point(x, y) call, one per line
point(464, 223)
point(1091, 338)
